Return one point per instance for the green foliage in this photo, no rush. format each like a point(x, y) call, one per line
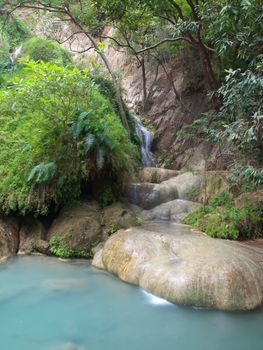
point(246, 178)
point(221, 219)
point(242, 96)
point(58, 249)
point(223, 224)
point(221, 199)
point(86, 13)
point(60, 131)
point(107, 197)
point(196, 218)
point(138, 220)
point(40, 49)
point(42, 172)
point(111, 229)
point(235, 28)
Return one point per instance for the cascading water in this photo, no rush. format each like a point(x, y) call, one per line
point(14, 55)
point(146, 137)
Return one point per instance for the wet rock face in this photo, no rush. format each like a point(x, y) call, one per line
point(9, 237)
point(77, 226)
point(186, 268)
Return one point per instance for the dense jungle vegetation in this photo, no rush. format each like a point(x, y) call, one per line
point(62, 125)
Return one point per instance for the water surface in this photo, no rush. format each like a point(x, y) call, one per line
point(46, 304)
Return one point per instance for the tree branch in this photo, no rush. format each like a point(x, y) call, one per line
point(163, 42)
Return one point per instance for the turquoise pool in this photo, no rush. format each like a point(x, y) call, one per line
point(46, 304)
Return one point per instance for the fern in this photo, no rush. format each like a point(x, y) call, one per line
point(80, 125)
point(42, 172)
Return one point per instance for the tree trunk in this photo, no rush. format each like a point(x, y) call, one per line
point(210, 75)
point(144, 82)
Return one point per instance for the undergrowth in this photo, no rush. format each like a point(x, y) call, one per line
point(222, 219)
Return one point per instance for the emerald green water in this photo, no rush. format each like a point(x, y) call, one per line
point(46, 304)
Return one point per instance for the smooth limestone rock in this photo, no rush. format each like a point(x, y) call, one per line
point(9, 237)
point(186, 267)
point(78, 226)
point(175, 211)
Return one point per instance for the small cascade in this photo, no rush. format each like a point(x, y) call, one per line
point(14, 55)
point(146, 138)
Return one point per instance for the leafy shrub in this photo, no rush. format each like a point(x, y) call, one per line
point(221, 219)
point(196, 218)
point(39, 49)
point(246, 178)
point(111, 229)
point(62, 251)
point(60, 131)
point(222, 223)
point(221, 199)
point(138, 220)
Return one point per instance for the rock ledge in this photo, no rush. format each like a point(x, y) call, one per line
point(186, 267)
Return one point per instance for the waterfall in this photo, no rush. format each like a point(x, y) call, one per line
point(146, 137)
point(14, 55)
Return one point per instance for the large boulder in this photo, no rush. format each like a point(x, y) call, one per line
point(32, 237)
point(186, 267)
point(77, 227)
point(9, 237)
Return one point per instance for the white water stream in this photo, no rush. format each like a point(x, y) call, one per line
point(146, 137)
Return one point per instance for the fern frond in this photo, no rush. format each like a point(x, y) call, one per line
point(42, 172)
point(80, 125)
